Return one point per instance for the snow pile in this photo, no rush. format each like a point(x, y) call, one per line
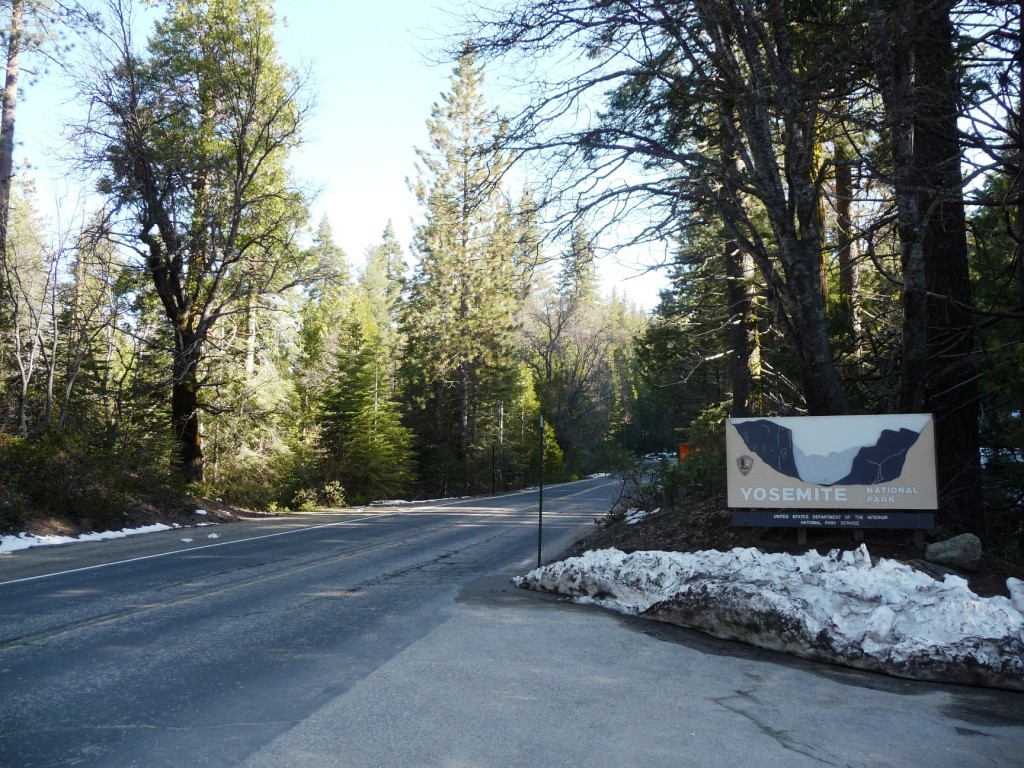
point(24, 540)
point(407, 502)
point(884, 617)
point(634, 515)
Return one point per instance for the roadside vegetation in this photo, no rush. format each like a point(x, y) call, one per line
point(836, 188)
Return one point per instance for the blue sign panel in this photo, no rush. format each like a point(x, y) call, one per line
point(832, 519)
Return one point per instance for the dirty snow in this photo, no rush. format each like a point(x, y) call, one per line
point(24, 540)
point(841, 607)
point(405, 503)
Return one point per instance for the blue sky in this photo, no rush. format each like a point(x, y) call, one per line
point(373, 85)
point(374, 93)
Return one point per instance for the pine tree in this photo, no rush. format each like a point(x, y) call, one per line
point(368, 449)
point(191, 138)
point(325, 308)
point(382, 284)
point(578, 280)
point(460, 315)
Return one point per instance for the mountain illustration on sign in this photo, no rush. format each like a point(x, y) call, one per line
point(856, 465)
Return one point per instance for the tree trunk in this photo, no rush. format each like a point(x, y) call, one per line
point(15, 34)
point(1017, 137)
point(951, 390)
point(185, 406)
point(501, 444)
point(916, 66)
point(745, 355)
point(846, 246)
point(463, 436)
point(250, 338)
point(464, 362)
point(822, 384)
point(51, 359)
point(820, 214)
point(914, 362)
point(25, 370)
point(76, 340)
point(771, 100)
point(186, 356)
point(893, 57)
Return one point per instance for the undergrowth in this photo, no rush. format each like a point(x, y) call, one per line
point(90, 485)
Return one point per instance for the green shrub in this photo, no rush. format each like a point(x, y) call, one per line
point(330, 494)
point(643, 487)
point(88, 483)
point(704, 468)
point(13, 507)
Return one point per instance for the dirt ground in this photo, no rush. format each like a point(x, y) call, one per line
point(706, 523)
point(142, 514)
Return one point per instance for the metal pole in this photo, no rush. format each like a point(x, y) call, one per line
point(540, 495)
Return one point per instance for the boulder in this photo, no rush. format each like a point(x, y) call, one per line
point(962, 551)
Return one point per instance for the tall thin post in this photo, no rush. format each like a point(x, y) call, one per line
point(540, 496)
point(15, 34)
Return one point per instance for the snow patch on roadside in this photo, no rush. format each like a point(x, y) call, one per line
point(24, 540)
point(842, 608)
point(634, 515)
point(405, 502)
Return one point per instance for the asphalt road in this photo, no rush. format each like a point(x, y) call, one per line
point(392, 637)
point(157, 651)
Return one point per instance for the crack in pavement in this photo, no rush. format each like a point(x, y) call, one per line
point(781, 737)
point(385, 578)
point(33, 638)
point(254, 577)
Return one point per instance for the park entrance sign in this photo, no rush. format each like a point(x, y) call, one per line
point(855, 469)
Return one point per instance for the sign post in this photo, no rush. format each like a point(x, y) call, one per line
point(540, 495)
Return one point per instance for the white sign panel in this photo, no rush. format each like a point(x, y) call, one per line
point(832, 462)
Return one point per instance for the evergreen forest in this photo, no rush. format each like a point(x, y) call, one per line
point(838, 185)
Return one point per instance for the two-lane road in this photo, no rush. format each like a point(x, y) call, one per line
point(157, 651)
point(393, 638)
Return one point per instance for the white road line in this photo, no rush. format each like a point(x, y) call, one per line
point(196, 549)
point(488, 513)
